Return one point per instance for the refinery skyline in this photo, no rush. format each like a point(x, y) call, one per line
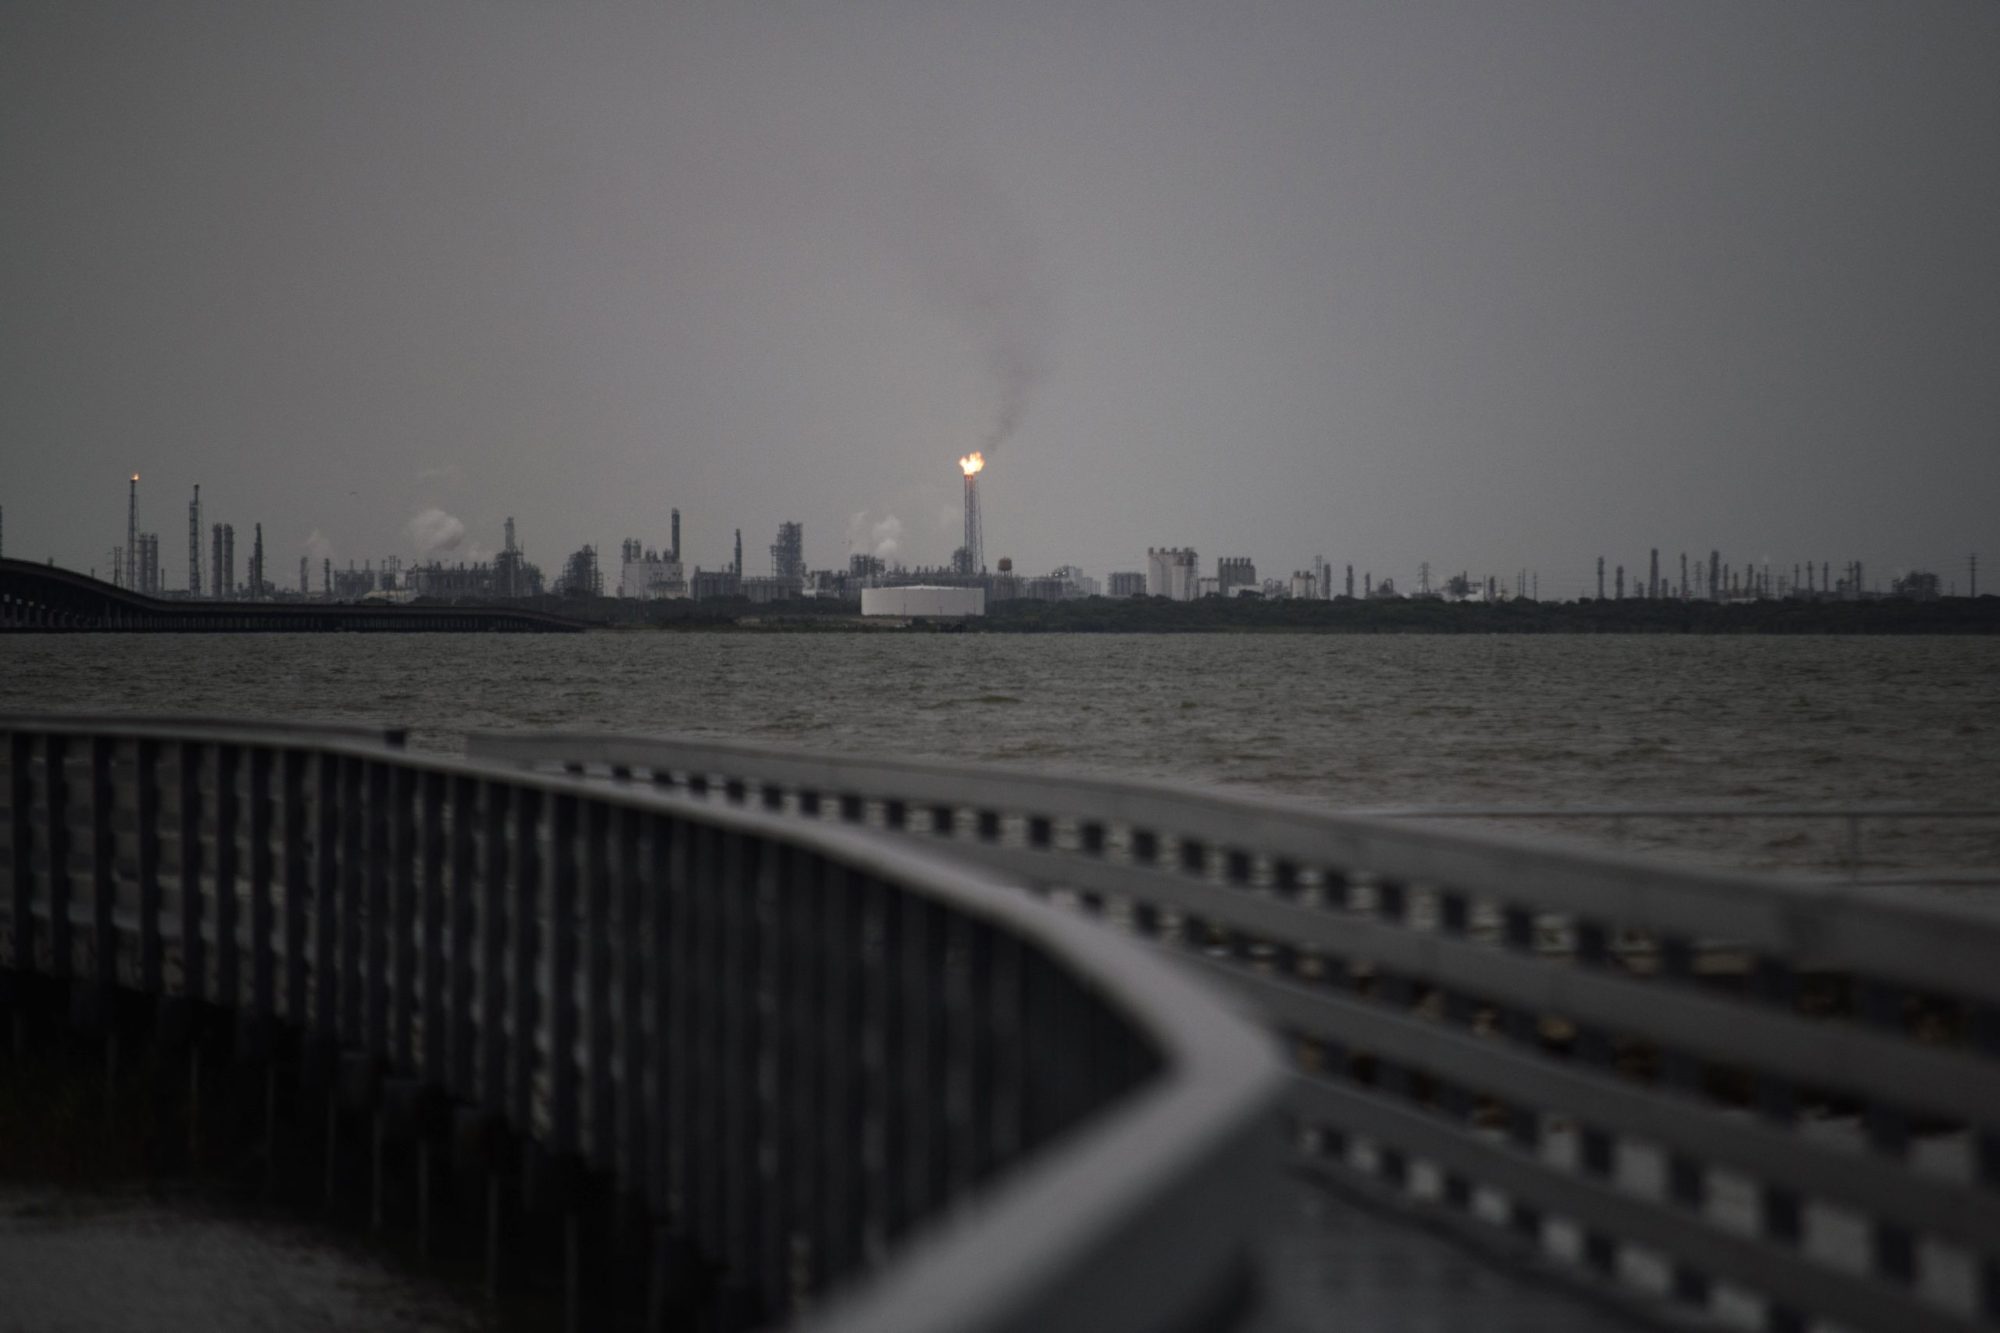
point(434, 539)
point(1507, 291)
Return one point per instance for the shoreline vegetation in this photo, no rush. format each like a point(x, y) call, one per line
point(1156, 615)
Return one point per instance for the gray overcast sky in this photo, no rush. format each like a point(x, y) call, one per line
point(1491, 284)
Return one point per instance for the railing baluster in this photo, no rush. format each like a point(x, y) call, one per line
point(440, 901)
point(683, 1041)
point(21, 844)
point(495, 884)
point(524, 980)
point(467, 959)
point(883, 1034)
point(842, 1042)
point(562, 982)
point(228, 906)
point(710, 1092)
point(740, 1053)
point(802, 975)
point(262, 921)
point(150, 950)
point(104, 869)
point(379, 945)
point(193, 955)
point(662, 1055)
point(353, 832)
point(632, 956)
point(777, 1064)
point(327, 874)
point(598, 927)
point(401, 919)
point(299, 894)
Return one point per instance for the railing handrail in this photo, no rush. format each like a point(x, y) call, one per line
point(1933, 941)
point(1007, 1258)
point(1428, 979)
point(171, 726)
point(1862, 810)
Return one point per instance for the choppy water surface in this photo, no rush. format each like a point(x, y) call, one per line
point(1350, 722)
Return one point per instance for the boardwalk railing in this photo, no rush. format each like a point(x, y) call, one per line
point(1974, 831)
point(1704, 1094)
point(878, 1089)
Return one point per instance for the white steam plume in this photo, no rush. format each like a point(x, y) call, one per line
point(883, 537)
point(433, 532)
point(888, 535)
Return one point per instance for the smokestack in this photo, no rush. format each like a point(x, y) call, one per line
point(738, 567)
point(1600, 578)
point(132, 535)
point(975, 539)
point(194, 544)
point(257, 562)
point(676, 556)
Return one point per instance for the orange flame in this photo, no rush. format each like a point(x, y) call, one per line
point(972, 462)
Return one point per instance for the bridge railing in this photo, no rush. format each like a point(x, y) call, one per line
point(1724, 1095)
point(877, 1088)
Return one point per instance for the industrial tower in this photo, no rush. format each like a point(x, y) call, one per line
point(975, 540)
point(132, 535)
point(194, 543)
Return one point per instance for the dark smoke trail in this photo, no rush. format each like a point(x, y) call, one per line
point(977, 262)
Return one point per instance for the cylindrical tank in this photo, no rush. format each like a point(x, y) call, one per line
point(923, 601)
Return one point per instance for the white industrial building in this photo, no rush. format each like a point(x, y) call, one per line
point(1171, 572)
point(652, 576)
point(920, 600)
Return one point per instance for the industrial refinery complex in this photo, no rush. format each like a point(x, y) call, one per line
point(965, 586)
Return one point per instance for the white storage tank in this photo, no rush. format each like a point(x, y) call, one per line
point(923, 601)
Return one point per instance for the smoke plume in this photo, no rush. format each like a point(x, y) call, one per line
point(882, 538)
point(888, 537)
point(433, 532)
point(976, 262)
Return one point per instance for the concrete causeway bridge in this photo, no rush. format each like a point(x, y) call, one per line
point(876, 1045)
point(45, 598)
